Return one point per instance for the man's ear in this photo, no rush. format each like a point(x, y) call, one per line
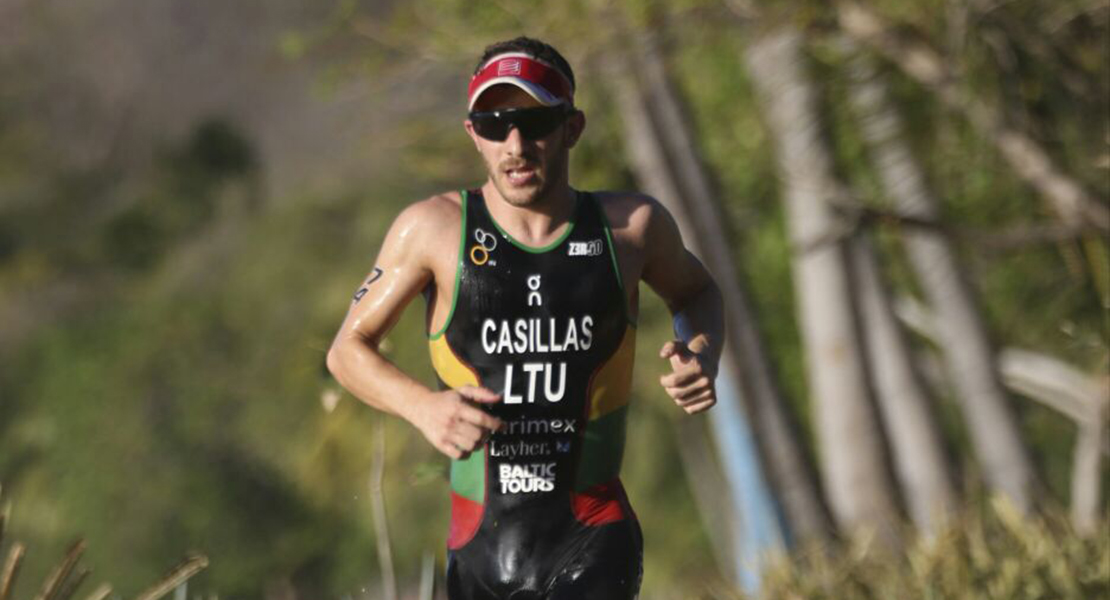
point(576, 124)
point(469, 127)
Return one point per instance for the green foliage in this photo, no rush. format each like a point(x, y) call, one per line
point(217, 151)
point(133, 239)
point(181, 401)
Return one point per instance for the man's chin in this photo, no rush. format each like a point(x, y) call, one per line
point(519, 195)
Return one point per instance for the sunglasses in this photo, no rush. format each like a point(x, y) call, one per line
point(532, 123)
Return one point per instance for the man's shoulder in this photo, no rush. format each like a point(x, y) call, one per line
point(433, 212)
point(426, 228)
point(629, 213)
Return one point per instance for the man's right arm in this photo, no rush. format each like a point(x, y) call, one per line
point(451, 420)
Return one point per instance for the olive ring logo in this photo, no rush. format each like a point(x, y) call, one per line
point(487, 242)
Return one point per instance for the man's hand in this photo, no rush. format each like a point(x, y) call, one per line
point(454, 422)
point(691, 383)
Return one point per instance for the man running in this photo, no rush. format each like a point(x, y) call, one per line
point(532, 292)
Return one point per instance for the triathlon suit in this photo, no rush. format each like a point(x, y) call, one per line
point(539, 511)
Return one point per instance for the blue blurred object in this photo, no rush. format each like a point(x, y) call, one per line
point(758, 527)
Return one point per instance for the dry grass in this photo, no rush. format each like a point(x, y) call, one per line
point(994, 553)
point(67, 576)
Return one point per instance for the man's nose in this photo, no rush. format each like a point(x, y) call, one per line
point(514, 142)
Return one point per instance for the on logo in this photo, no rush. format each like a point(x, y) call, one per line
point(534, 297)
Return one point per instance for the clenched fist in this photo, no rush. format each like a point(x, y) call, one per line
point(692, 380)
point(454, 421)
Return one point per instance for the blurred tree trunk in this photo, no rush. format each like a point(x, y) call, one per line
point(775, 432)
point(856, 476)
point(968, 353)
point(916, 440)
point(1061, 387)
point(650, 166)
point(378, 511)
point(1075, 205)
point(711, 493)
point(1052, 381)
point(667, 162)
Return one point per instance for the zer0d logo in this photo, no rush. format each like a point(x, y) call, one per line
point(487, 243)
point(590, 248)
point(527, 478)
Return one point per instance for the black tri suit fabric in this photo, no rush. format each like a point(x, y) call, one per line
point(539, 512)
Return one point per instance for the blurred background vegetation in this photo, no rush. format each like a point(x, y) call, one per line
point(190, 192)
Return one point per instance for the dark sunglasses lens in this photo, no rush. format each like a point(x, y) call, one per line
point(491, 126)
point(538, 124)
point(533, 123)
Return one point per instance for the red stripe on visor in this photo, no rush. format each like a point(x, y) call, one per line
point(542, 81)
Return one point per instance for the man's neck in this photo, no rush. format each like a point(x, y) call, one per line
point(538, 223)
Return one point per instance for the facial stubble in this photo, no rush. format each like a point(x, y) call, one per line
point(554, 170)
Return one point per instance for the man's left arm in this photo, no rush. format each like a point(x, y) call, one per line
point(695, 304)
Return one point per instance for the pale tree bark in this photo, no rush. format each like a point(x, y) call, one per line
point(1054, 382)
point(1073, 204)
point(784, 458)
point(968, 353)
point(1063, 388)
point(711, 493)
point(666, 161)
point(378, 512)
point(650, 166)
point(854, 471)
point(1086, 476)
point(667, 166)
point(916, 441)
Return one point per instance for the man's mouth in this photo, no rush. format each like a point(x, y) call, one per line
point(520, 175)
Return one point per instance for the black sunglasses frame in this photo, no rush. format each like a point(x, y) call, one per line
point(533, 123)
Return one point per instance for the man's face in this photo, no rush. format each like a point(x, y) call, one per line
point(524, 171)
